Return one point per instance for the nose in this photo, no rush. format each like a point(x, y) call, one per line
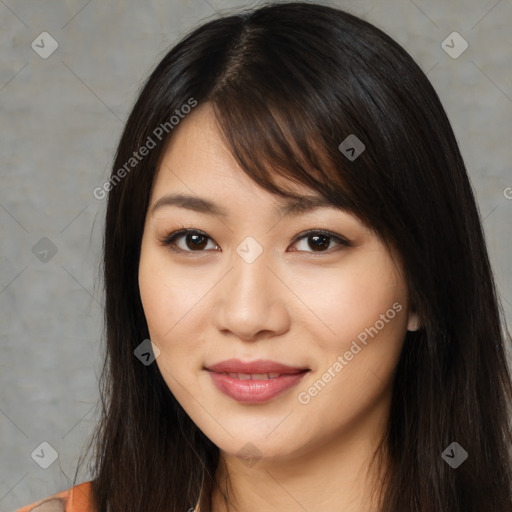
point(251, 302)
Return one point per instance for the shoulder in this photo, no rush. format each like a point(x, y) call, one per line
point(76, 499)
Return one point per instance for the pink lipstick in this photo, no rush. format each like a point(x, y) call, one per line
point(256, 381)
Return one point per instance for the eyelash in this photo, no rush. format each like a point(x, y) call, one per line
point(170, 239)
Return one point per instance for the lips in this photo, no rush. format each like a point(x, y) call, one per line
point(254, 382)
point(261, 368)
point(252, 376)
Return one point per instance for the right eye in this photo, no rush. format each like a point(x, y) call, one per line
point(194, 240)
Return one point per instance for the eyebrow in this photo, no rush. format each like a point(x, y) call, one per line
point(294, 205)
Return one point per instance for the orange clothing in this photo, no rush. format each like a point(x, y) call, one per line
point(76, 499)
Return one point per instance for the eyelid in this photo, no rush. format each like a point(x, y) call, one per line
point(334, 236)
point(341, 240)
point(171, 237)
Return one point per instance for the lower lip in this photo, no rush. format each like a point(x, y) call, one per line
point(255, 391)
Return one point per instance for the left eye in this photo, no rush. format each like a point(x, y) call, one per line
point(195, 240)
point(320, 240)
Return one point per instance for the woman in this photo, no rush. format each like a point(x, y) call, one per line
point(334, 340)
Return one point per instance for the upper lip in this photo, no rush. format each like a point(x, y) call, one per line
point(257, 366)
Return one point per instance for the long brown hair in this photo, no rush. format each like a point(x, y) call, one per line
point(289, 82)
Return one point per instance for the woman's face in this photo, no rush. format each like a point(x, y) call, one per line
point(255, 285)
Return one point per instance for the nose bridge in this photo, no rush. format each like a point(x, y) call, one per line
point(250, 278)
point(251, 301)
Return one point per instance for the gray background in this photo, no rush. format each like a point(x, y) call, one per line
point(61, 118)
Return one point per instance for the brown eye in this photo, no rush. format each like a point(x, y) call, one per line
point(194, 240)
point(320, 241)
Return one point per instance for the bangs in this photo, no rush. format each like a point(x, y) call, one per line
point(272, 134)
point(282, 115)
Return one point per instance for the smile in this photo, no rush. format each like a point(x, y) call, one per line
point(255, 388)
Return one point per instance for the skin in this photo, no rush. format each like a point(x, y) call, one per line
point(292, 304)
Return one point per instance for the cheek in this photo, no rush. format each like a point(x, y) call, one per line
point(171, 299)
point(168, 296)
point(164, 305)
point(366, 314)
point(346, 301)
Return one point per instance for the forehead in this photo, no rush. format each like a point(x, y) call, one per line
point(196, 137)
point(197, 162)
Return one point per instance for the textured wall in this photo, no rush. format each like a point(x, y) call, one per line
point(61, 118)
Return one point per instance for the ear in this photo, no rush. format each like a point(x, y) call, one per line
point(413, 323)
